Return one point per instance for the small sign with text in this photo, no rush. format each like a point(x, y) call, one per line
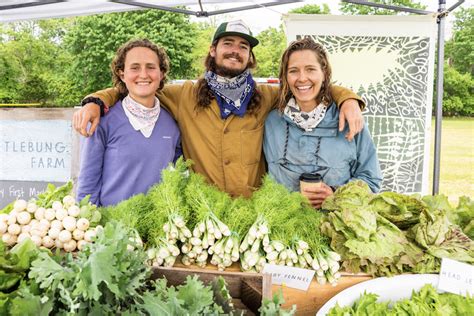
point(456, 277)
point(296, 278)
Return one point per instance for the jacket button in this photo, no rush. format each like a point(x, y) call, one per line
point(226, 130)
point(226, 162)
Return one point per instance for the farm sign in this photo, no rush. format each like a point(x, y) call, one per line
point(36, 148)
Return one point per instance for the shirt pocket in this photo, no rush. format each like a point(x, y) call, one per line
point(251, 146)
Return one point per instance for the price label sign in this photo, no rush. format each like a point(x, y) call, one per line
point(296, 278)
point(456, 277)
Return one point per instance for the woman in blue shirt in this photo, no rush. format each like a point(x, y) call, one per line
point(301, 135)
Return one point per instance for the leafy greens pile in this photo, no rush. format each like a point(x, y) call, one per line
point(425, 302)
point(463, 215)
point(17, 295)
point(391, 233)
point(109, 278)
point(105, 277)
point(366, 241)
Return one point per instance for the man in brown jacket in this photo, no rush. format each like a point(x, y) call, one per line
point(221, 116)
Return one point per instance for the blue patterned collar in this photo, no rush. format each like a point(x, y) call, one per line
point(232, 95)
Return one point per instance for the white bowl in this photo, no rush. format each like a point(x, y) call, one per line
point(388, 289)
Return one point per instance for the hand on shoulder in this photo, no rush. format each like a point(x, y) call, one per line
point(90, 112)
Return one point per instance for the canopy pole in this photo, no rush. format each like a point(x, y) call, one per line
point(439, 95)
point(201, 13)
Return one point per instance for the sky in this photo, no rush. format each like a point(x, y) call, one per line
point(261, 19)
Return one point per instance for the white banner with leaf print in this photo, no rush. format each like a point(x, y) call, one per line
point(389, 62)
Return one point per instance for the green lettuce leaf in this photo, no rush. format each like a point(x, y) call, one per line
point(9, 280)
point(272, 307)
point(400, 209)
point(26, 303)
point(463, 215)
point(24, 253)
point(195, 295)
point(52, 194)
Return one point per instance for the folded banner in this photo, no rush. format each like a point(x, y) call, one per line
point(389, 61)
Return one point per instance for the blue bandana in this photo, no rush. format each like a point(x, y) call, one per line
point(232, 95)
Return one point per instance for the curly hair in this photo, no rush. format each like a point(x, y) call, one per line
point(204, 95)
point(118, 63)
point(307, 43)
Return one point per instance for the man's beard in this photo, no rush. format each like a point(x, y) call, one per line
point(223, 71)
point(226, 72)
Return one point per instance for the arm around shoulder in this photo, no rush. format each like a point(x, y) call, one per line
point(109, 96)
point(94, 105)
point(171, 95)
point(341, 94)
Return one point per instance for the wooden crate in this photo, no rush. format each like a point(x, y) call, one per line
point(246, 289)
point(307, 302)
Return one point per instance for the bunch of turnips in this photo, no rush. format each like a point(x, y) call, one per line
point(61, 223)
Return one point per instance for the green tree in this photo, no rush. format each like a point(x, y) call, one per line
point(31, 58)
point(9, 70)
point(459, 50)
point(312, 9)
point(203, 35)
point(458, 97)
point(93, 41)
point(273, 43)
point(354, 9)
point(268, 52)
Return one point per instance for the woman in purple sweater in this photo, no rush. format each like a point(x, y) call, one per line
point(138, 138)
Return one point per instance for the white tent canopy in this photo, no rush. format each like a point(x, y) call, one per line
point(18, 10)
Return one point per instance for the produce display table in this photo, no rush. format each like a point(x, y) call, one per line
point(307, 302)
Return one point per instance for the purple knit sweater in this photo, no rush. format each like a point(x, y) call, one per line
point(118, 162)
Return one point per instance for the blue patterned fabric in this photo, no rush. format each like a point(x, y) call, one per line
point(232, 95)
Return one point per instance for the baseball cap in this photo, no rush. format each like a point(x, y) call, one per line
point(235, 28)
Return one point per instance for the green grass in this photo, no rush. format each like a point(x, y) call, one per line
point(457, 158)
